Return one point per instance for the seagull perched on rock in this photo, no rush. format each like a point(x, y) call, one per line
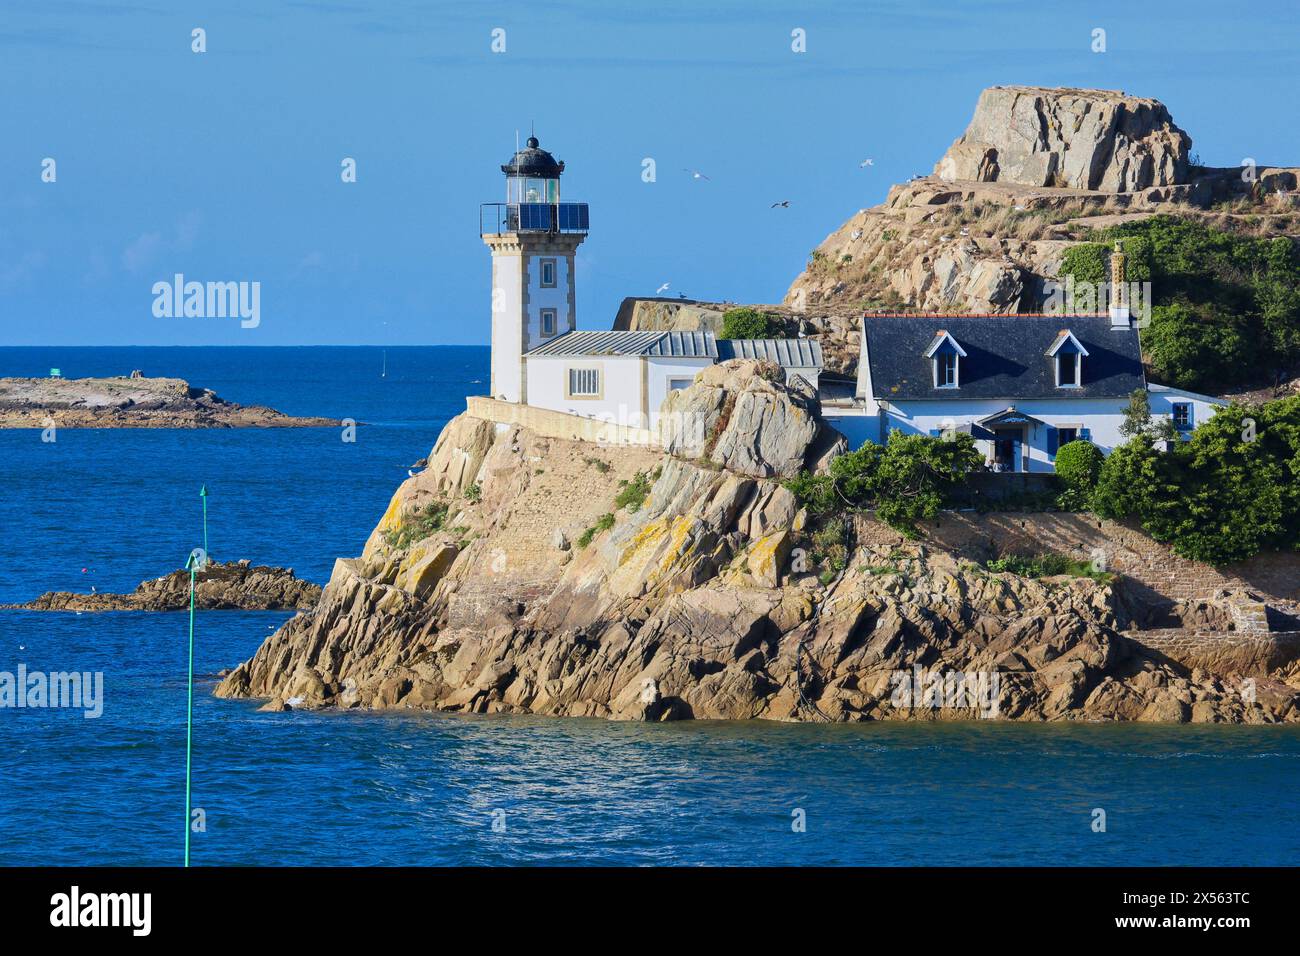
point(662, 289)
point(784, 204)
point(695, 174)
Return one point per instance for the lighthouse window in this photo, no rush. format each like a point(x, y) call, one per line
point(584, 382)
point(548, 273)
point(548, 321)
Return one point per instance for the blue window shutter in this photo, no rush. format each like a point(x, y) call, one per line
point(1191, 415)
point(1085, 434)
point(935, 432)
point(1051, 441)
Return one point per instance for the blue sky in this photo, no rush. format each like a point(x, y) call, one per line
point(225, 165)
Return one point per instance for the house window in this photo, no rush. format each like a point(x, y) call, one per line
point(548, 273)
point(584, 382)
point(1068, 368)
point(1183, 416)
point(1066, 435)
point(945, 375)
point(548, 321)
point(675, 384)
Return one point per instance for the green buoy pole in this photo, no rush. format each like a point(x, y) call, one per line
point(203, 493)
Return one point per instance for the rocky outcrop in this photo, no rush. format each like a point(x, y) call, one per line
point(740, 415)
point(1035, 172)
point(236, 586)
point(1075, 139)
point(130, 402)
point(584, 580)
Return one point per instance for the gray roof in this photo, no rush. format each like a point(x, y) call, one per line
point(674, 344)
point(788, 353)
point(1006, 356)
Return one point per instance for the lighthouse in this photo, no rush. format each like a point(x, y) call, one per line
point(533, 237)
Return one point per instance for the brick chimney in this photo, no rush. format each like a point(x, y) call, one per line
point(1119, 304)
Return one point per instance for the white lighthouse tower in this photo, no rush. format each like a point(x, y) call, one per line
point(533, 237)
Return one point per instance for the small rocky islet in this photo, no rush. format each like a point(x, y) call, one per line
point(238, 585)
point(131, 401)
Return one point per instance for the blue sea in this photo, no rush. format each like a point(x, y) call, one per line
point(111, 508)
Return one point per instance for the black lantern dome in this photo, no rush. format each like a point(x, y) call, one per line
point(533, 162)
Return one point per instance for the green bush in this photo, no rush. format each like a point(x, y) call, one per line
point(474, 492)
point(1078, 465)
point(1199, 345)
point(832, 543)
point(603, 523)
point(1045, 565)
point(1229, 492)
point(633, 493)
point(419, 524)
point(750, 324)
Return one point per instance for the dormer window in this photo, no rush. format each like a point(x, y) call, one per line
point(1067, 354)
point(945, 357)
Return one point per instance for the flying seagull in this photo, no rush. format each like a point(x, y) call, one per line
point(695, 174)
point(784, 204)
point(865, 163)
point(662, 289)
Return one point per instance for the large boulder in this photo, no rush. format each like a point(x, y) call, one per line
point(1078, 139)
point(741, 415)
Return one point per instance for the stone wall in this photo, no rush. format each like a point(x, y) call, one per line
point(1221, 651)
point(553, 424)
point(1152, 573)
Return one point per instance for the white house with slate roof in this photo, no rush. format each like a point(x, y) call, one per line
point(538, 356)
point(1021, 385)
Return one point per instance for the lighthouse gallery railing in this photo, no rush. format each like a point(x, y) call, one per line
point(497, 218)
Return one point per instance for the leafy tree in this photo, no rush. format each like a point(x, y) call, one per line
point(917, 472)
point(908, 479)
point(1230, 491)
point(749, 324)
point(1137, 416)
point(1198, 346)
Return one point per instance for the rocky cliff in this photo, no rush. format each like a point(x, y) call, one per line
point(523, 573)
